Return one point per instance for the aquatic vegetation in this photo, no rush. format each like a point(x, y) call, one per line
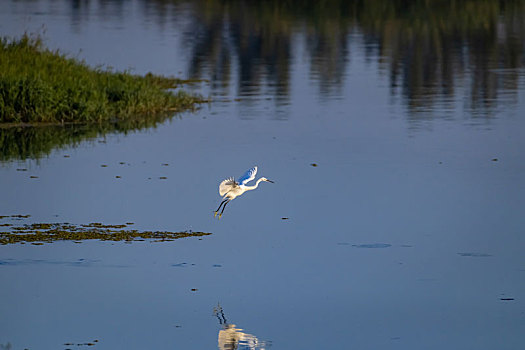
point(15, 217)
point(40, 233)
point(38, 85)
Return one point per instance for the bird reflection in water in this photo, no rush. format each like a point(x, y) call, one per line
point(233, 338)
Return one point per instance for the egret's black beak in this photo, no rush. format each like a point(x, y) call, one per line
point(270, 181)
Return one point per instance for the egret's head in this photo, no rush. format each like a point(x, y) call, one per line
point(265, 179)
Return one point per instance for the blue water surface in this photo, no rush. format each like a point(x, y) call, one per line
point(396, 220)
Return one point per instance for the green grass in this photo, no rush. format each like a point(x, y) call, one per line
point(38, 85)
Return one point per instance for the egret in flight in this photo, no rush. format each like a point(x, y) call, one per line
point(229, 189)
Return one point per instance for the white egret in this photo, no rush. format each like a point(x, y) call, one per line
point(229, 189)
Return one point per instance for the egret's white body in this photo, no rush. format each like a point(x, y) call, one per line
point(230, 189)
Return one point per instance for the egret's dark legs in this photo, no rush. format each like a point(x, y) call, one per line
point(222, 211)
point(220, 205)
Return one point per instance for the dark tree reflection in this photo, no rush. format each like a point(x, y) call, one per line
point(432, 50)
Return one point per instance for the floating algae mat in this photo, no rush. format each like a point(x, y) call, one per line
point(40, 233)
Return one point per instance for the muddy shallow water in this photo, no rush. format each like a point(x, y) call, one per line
point(408, 232)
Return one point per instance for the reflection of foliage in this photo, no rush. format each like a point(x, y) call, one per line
point(252, 33)
point(23, 142)
point(427, 47)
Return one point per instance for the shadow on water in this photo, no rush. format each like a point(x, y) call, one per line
point(231, 337)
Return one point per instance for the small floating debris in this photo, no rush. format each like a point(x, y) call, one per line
point(475, 255)
point(372, 245)
point(92, 343)
point(179, 265)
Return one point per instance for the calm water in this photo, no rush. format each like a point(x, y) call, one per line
point(407, 234)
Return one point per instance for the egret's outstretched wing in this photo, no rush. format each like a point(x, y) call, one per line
point(248, 176)
point(227, 185)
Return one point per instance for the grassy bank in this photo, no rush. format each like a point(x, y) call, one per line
point(38, 85)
